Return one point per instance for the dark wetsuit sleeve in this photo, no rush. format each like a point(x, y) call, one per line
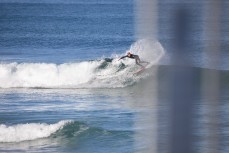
point(123, 57)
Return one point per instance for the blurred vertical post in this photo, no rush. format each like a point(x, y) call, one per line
point(211, 79)
point(181, 84)
point(146, 28)
point(146, 19)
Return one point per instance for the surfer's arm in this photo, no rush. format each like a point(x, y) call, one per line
point(123, 57)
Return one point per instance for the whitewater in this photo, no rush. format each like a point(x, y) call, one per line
point(102, 73)
point(29, 131)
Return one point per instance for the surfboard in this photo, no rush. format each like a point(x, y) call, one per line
point(139, 71)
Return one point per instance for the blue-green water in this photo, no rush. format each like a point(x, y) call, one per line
point(62, 88)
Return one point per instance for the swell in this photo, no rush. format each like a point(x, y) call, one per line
point(64, 130)
point(81, 130)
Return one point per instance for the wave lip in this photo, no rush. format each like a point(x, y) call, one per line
point(29, 131)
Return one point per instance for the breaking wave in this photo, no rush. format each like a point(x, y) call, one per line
point(105, 73)
point(63, 130)
point(30, 131)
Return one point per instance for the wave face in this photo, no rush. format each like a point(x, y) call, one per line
point(106, 73)
point(31, 131)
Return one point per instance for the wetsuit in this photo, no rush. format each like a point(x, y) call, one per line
point(131, 56)
point(136, 57)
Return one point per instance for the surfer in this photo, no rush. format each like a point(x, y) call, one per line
point(136, 57)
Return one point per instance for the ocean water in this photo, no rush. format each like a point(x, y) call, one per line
point(63, 89)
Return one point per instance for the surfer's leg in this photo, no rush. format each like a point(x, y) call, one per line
point(138, 63)
point(137, 60)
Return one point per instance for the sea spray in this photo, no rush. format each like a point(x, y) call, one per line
point(149, 50)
